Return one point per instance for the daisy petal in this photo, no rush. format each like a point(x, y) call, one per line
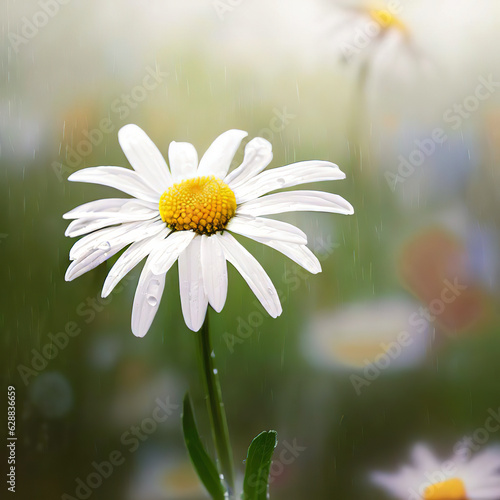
point(486, 492)
point(295, 201)
point(486, 461)
point(258, 155)
point(130, 212)
point(110, 207)
point(146, 300)
point(86, 225)
point(391, 482)
point(218, 157)
point(268, 229)
point(123, 179)
point(92, 259)
point(168, 251)
point(214, 269)
point(104, 238)
point(145, 157)
point(290, 175)
point(423, 458)
point(298, 253)
point(183, 160)
point(129, 259)
point(99, 239)
point(194, 300)
point(253, 273)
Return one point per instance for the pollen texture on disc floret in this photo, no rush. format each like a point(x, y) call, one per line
point(203, 204)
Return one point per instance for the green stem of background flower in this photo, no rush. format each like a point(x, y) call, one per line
point(213, 395)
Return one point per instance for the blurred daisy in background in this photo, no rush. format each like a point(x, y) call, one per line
point(187, 213)
point(377, 39)
point(389, 332)
point(361, 29)
point(390, 31)
point(405, 64)
point(455, 479)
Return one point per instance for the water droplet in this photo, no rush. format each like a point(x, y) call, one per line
point(152, 300)
point(281, 181)
point(104, 246)
point(215, 371)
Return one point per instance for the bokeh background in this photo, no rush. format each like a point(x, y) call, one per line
point(396, 342)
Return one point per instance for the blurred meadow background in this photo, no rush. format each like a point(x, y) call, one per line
point(397, 341)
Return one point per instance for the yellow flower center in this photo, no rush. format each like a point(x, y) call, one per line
point(203, 204)
point(386, 20)
point(453, 489)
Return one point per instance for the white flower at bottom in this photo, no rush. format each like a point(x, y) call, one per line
point(454, 479)
point(187, 214)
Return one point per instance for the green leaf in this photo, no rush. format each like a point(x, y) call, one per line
point(258, 463)
point(205, 467)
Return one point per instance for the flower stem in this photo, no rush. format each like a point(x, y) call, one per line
point(213, 396)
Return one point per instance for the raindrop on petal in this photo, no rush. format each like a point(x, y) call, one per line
point(104, 246)
point(152, 300)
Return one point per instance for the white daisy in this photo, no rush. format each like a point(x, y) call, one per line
point(456, 479)
point(188, 213)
